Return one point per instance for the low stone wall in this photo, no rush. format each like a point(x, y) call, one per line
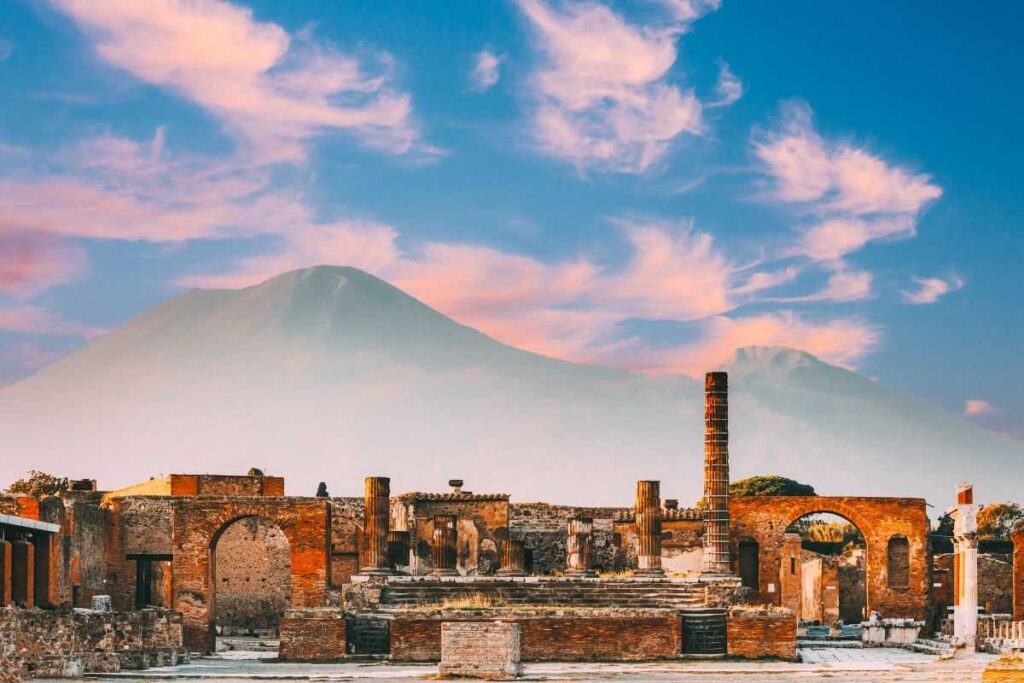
point(480, 649)
point(642, 636)
point(313, 635)
point(53, 644)
point(890, 632)
point(761, 634)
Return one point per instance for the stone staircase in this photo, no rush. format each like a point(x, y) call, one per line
point(556, 592)
point(939, 648)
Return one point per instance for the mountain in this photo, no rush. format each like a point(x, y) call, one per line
point(331, 374)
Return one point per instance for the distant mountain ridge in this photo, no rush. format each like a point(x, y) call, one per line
point(329, 373)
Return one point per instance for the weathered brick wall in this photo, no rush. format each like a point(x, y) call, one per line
point(753, 635)
point(225, 485)
point(39, 642)
point(851, 594)
point(253, 575)
point(199, 521)
point(312, 635)
point(682, 538)
point(481, 524)
point(765, 519)
point(995, 580)
point(542, 527)
point(346, 531)
point(83, 547)
point(636, 637)
point(488, 650)
point(1018, 575)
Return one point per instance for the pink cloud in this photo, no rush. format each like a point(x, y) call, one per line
point(271, 90)
point(977, 406)
point(592, 106)
point(35, 320)
point(931, 289)
point(31, 262)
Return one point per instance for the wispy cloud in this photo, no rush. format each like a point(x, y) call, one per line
point(729, 88)
point(31, 262)
point(486, 70)
point(602, 97)
point(35, 320)
point(931, 289)
point(976, 406)
point(273, 91)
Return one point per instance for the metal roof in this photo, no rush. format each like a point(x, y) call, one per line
point(25, 523)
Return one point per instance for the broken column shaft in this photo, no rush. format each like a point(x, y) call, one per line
point(647, 510)
point(716, 474)
point(513, 558)
point(375, 529)
point(443, 550)
point(579, 546)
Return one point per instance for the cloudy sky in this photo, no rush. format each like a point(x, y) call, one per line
point(647, 184)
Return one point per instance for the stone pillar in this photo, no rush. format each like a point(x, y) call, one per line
point(965, 574)
point(579, 546)
point(716, 474)
point(5, 573)
point(23, 558)
point(45, 570)
point(513, 558)
point(443, 549)
point(1018, 575)
point(375, 529)
point(791, 574)
point(647, 510)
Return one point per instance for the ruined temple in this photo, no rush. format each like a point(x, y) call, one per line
point(220, 559)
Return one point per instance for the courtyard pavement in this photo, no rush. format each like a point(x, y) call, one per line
point(839, 665)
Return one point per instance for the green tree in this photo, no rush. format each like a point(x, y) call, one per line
point(769, 485)
point(39, 485)
point(998, 520)
point(255, 472)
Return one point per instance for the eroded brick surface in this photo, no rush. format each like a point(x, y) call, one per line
point(312, 635)
point(754, 636)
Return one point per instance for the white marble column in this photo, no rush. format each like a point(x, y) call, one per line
point(965, 582)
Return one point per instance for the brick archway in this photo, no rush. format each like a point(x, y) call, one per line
point(199, 522)
point(765, 519)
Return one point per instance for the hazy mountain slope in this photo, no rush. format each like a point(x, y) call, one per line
point(331, 374)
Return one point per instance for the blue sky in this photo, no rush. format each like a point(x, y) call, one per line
point(646, 184)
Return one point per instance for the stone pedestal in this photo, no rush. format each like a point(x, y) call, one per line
point(480, 650)
point(716, 474)
point(579, 547)
point(375, 530)
point(513, 558)
point(647, 509)
point(443, 549)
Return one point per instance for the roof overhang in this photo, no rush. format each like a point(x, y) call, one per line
point(25, 523)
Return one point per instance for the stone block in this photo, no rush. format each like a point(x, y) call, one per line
point(480, 649)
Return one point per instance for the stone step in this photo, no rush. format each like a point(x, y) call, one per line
point(931, 647)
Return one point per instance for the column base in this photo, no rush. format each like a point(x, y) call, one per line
point(580, 573)
point(510, 572)
point(649, 573)
point(377, 571)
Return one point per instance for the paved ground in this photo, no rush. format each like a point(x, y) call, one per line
point(833, 665)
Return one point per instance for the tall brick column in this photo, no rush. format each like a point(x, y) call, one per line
point(716, 474)
point(375, 529)
point(1018, 575)
point(23, 555)
point(45, 570)
point(647, 510)
point(513, 558)
point(5, 573)
point(791, 573)
point(579, 546)
point(443, 550)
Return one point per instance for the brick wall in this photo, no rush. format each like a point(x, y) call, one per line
point(758, 636)
point(995, 581)
point(38, 643)
point(253, 575)
point(225, 485)
point(488, 650)
point(765, 519)
point(542, 527)
point(556, 638)
point(346, 531)
point(481, 523)
point(312, 635)
point(1018, 575)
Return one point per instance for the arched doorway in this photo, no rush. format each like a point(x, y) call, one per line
point(823, 572)
point(250, 579)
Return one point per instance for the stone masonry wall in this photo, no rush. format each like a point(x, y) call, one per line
point(488, 650)
point(253, 575)
point(637, 637)
point(758, 636)
point(346, 532)
point(481, 524)
point(995, 580)
point(43, 643)
point(1018, 575)
point(312, 635)
point(542, 527)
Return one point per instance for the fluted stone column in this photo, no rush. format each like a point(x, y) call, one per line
point(647, 510)
point(443, 550)
point(375, 529)
point(965, 568)
point(716, 474)
point(579, 546)
point(513, 558)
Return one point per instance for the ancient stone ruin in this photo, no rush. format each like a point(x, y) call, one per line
point(198, 561)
